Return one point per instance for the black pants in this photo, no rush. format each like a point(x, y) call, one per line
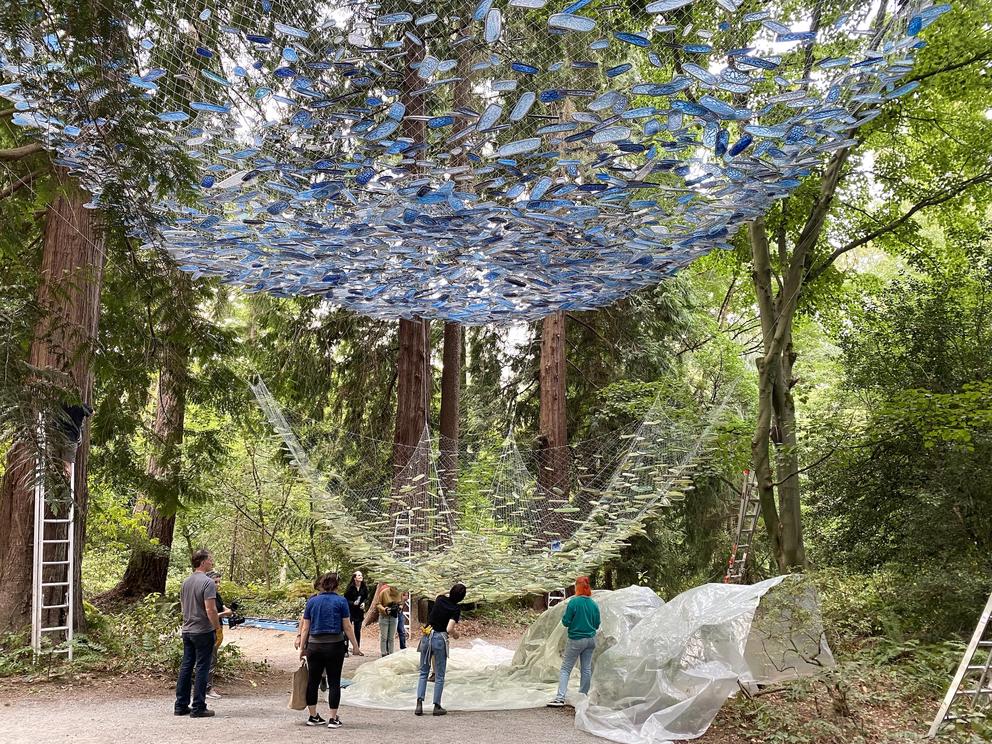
point(323, 657)
point(197, 649)
point(356, 623)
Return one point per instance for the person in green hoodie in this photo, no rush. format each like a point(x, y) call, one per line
point(582, 620)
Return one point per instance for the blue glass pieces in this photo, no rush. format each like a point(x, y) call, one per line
point(480, 163)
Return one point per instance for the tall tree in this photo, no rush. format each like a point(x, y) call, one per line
point(450, 392)
point(62, 342)
point(553, 473)
point(794, 252)
point(411, 454)
point(148, 565)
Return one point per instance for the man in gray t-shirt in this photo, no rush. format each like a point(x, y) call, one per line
point(200, 623)
point(193, 595)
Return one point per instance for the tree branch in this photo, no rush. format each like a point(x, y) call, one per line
point(817, 216)
point(944, 195)
point(21, 183)
point(980, 57)
point(17, 153)
point(581, 322)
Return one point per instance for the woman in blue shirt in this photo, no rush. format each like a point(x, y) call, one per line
point(326, 625)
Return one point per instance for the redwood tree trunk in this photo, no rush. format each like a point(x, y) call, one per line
point(553, 470)
point(149, 563)
point(69, 300)
point(450, 390)
point(411, 455)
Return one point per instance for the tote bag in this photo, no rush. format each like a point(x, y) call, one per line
point(298, 692)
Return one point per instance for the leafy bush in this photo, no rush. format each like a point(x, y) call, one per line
point(899, 601)
point(143, 637)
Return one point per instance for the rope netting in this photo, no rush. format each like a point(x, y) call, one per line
point(476, 161)
point(500, 528)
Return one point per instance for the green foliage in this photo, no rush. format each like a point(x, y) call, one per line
point(144, 638)
point(899, 602)
point(284, 602)
point(904, 498)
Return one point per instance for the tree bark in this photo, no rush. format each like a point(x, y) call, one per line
point(68, 297)
point(149, 562)
point(553, 464)
point(450, 391)
point(411, 455)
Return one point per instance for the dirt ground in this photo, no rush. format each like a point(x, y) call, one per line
point(139, 710)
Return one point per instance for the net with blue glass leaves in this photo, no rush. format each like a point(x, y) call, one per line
point(478, 162)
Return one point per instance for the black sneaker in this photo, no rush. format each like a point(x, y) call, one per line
point(419, 711)
point(439, 711)
point(202, 714)
point(183, 712)
point(334, 723)
point(315, 720)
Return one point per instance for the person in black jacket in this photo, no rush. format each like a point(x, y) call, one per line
point(357, 595)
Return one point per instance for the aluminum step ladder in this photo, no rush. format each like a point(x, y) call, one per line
point(52, 590)
point(970, 693)
point(556, 596)
point(747, 525)
point(403, 546)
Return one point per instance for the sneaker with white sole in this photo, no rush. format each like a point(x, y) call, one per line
point(557, 703)
point(213, 695)
point(334, 723)
point(315, 720)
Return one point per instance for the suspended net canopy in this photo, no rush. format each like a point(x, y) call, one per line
point(473, 161)
point(502, 525)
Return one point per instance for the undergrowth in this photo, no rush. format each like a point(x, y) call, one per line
point(143, 637)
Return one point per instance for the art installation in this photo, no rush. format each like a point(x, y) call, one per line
point(472, 161)
point(661, 670)
point(500, 531)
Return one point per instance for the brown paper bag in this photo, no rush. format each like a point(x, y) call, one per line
point(298, 692)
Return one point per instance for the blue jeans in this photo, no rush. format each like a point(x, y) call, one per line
point(197, 651)
point(438, 647)
point(387, 635)
point(580, 649)
point(401, 630)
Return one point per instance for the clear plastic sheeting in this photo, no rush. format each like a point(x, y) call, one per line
point(661, 670)
point(668, 677)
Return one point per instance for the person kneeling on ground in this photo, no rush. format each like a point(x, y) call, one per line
point(434, 645)
point(582, 620)
point(326, 625)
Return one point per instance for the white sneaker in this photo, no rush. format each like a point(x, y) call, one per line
point(213, 695)
point(557, 703)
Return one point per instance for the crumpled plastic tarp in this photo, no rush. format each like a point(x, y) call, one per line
point(661, 671)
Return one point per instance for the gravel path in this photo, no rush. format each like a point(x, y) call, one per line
point(257, 715)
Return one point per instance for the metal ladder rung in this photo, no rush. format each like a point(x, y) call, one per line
point(55, 630)
point(55, 583)
point(969, 673)
point(56, 521)
point(55, 563)
point(55, 607)
point(56, 542)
